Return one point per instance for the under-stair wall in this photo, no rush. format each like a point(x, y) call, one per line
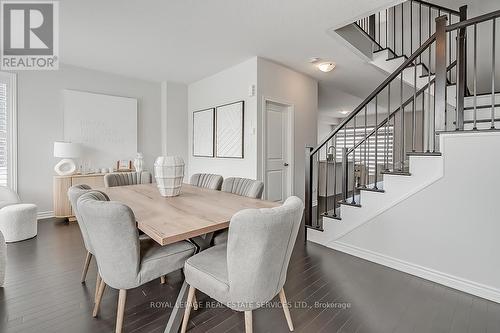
point(447, 232)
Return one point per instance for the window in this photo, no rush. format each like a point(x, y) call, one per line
point(383, 144)
point(8, 131)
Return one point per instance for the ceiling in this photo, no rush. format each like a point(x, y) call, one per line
point(186, 40)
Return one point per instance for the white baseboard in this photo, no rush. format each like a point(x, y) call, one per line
point(45, 215)
point(445, 279)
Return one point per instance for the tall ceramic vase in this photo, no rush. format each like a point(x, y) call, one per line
point(139, 163)
point(169, 173)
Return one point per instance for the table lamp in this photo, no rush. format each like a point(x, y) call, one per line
point(66, 151)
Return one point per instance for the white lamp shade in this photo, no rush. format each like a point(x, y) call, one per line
point(66, 149)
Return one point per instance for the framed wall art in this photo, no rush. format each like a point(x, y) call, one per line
point(229, 119)
point(203, 133)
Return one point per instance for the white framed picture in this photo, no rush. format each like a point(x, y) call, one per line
point(229, 119)
point(203, 133)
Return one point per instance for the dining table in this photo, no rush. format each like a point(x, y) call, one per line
point(193, 215)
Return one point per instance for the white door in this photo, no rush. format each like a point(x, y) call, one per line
point(278, 164)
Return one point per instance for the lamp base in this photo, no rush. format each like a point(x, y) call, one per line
point(65, 167)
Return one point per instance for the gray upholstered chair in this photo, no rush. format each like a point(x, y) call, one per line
point(127, 178)
point(251, 269)
point(207, 180)
point(241, 186)
point(74, 193)
point(124, 262)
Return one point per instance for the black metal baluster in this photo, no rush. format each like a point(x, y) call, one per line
point(335, 176)
point(394, 29)
point(414, 112)
point(429, 104)
point(428, 36)
point(420, 29)
point(411, 27)
point(449, 47)
point(378, 24)
point(386, 29)
point(354, 161)
point(386, 164)
point(367, 162)
point(474, 127)
point(376, 142)
point(493, 68)
point(345, 167)
point(401, 108)
point(326, 178)
point(402, 31)
point(423, 120)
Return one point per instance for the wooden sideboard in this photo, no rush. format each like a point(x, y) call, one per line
point(62, 205)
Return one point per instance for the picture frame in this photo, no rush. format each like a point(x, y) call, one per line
point(204, 133)
point(124, 165)
point(229, 124)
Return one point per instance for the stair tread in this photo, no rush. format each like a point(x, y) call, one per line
point(396, 57)
point(371, 189)
point(426, 153)
point(397, 173)
point(349, 203)
point(330, 215)
point(317, 228)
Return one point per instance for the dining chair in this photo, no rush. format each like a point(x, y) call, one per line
point(123, 261)
point(241, 186)
point(251, 269)
point(127, 178)
point(207, 180)
point(74, 193)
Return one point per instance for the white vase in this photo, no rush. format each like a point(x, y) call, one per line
point(169, 173)
point(139, 163)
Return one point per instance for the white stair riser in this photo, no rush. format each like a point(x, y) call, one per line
point(481, 114)
point(425, 170)
point(481, 126)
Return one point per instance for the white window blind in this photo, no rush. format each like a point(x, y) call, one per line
point(356, 135)
point(4, 134)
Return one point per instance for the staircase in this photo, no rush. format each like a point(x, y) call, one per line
point(442, 78)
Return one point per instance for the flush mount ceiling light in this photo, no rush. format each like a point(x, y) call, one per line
point(344, 112)
point(326, 66)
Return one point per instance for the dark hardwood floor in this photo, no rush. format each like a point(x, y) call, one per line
point(329, 292)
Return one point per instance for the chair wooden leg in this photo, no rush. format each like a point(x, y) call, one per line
point(248, 322)
point(122, 297)
point(195, 302)
point(163, 279)
point(86, 264)
point(187, 311)
point(286, 310)
point(97, 283)
point(98, 299)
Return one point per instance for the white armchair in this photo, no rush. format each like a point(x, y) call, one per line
point(17, 220)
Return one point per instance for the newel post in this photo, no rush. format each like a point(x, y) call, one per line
point(440, 95)
point(308, 188)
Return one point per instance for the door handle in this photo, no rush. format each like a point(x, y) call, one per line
point(285, 164)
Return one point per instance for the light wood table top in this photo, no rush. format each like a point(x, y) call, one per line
point(195, 212)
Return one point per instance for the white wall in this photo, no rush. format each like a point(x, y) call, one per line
point(448, 232)
point(282, 84)
point(175, 120)
point(230, 85)
point(40, 122)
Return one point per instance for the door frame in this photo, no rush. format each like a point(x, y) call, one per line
point(290, 140)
